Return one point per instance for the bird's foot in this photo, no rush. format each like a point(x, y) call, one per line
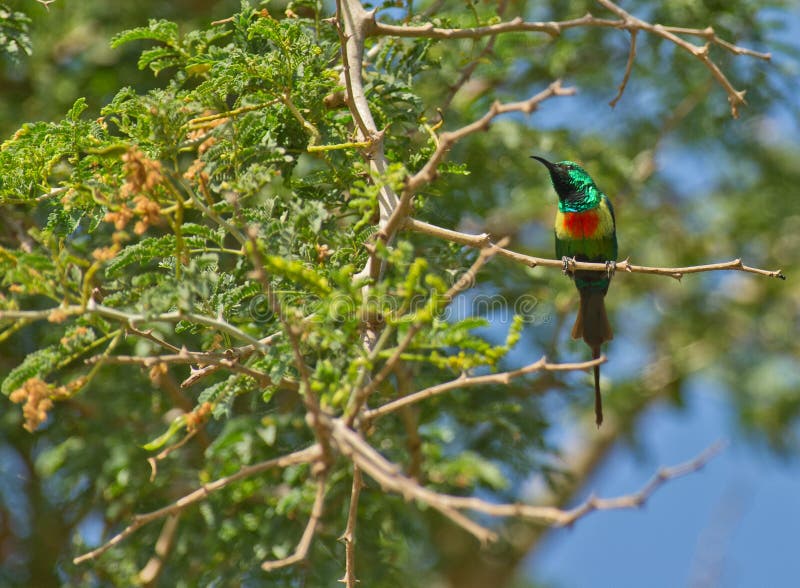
point(611, 268)
point(567, 263)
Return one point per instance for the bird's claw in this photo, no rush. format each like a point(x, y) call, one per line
point(567, 262)
point(611, 268)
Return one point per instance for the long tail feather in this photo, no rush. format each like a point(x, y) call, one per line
point(598, 400)
point(593, 327)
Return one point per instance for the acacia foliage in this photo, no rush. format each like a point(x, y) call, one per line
point(166, 202)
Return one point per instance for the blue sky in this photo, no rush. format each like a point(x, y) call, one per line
point(733, 523)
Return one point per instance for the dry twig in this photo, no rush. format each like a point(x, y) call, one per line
point(466, 280)
point(624, 21)
point(389, 477)
point(301, 551)
point(468, 382)
point(349, 535)
point(628, 68)
point(622, 266)
point(148, 575)
point(307, 455)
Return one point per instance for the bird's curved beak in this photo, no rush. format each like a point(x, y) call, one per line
point(543, 161)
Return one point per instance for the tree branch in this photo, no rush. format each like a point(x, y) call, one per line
point(468, 382)
point(625, 21)
point(349, 536)
point(358, 25)
point(735, 97)
point(242, 353)
point(301, 551)
point(446, 141)
point(360, 395)
point(637, 499)
point(555, 516)
point(628, 69)
point(186, 357)
point(515, 25)
point(130, 319)
point(389, 477)
point(307, 455)
point(622, 266)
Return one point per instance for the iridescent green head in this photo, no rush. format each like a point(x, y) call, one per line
point(575, 187)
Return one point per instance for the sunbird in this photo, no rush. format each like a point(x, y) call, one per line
point(585, 230)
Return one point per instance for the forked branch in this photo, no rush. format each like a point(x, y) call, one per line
point(624, 21)
point(389, 476)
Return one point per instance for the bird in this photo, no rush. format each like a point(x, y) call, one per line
point(585, 230)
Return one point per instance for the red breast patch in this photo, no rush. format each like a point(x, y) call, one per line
point(581, 224)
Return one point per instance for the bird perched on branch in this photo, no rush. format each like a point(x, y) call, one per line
point(585, 230)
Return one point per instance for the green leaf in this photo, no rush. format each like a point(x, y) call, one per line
point(297, 272)
point(52, 459)
point(176, 425)
point(157, 30)
point(14, 33)
point(143, 252)
point(37, 364)
point(159, 58)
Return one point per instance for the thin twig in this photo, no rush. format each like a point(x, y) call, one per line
point(467, 382)
point(552, 28)
point(387, 474)
point(210, 119)
point(148, 575)
point(637, 499)
point(625, 21)
point(446, 141)
point(389, 477)
point(349, 535)
point(628, 68)
point(148, 334)
point(131, 319)
point(307, 455)
point(190, 357)
point(626, 266)
point(289, 103)
point(466, 280)
point(301, 551)
point(735, 97)
point(293, 333)
point(243, 353)
point(709, 34)
point(561, 518)
point(517, 24)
